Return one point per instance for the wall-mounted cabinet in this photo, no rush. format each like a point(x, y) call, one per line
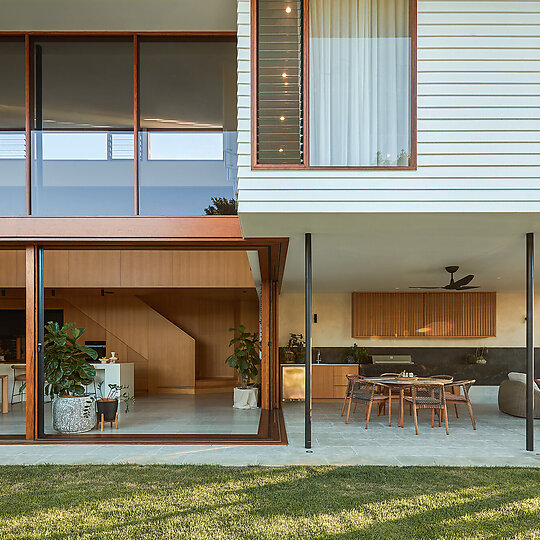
point(423, 314)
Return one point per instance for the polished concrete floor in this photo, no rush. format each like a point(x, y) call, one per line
point(162, 413)
point(498, 440)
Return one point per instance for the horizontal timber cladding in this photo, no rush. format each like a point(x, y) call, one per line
point(420, 314)
point(478, 122)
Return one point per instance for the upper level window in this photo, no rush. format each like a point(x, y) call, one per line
point(187, 116)
point(118, 124)
point(12, 129)
point(359, 89)
point(83, 104)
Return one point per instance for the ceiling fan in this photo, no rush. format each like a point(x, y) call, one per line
point(459, 285)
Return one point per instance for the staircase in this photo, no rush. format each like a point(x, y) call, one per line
point(215, 385)
point(169, 351)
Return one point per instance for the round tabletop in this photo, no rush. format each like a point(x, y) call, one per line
point(406, 381)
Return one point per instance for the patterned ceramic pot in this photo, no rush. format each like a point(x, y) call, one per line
point(73, 414)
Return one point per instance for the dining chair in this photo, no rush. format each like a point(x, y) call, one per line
point(448, 378)
point(366, 393)
point(350, 381)
point(395, 397)
point(461, 398)
point(430, 395)
point(19, 376)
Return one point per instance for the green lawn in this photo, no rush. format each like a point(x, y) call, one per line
point(172, 502)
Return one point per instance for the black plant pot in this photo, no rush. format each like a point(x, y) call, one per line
point(108, 409)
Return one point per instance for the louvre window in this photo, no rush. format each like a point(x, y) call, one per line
point(280, 137)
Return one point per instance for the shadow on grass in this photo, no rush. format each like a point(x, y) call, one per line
point(128, 501)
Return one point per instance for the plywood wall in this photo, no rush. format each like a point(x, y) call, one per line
point(207, 316)
point(168, 350)
point(132, 268)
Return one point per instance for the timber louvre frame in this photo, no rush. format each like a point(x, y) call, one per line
point(302, 162)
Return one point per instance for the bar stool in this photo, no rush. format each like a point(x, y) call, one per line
point(20, 378)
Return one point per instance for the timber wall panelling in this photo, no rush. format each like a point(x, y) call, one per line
point(140, 268)
point(418, 314)
point(170, 352)
point(207, 316)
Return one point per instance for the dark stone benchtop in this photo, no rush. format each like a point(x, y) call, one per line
point(438, 361)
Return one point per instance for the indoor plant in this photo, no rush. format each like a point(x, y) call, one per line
point(108, 405)
point(67, 373)
point(245, 359)
point(356, 355)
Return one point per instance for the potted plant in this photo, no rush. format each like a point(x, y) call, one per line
point(296, 349)
point(67, 373)
point(356, 355)
point(479, 356)
point(245, 359)
point(108, 405)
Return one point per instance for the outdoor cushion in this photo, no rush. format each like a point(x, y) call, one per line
point(520, 377)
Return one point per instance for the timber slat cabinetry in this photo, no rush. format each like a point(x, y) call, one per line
point(330, 381)
point(421, 314)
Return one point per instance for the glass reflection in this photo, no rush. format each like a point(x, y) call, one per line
point(187, 145)
point(82, 153)
point(12, 126)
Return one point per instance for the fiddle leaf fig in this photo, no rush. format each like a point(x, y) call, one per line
point(246, 355)
point(67, 370)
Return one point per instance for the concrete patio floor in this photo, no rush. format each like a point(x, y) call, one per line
point(498, 441)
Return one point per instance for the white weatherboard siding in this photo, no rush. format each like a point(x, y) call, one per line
point(478, 122)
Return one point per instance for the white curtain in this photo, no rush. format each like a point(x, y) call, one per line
point(359, 73)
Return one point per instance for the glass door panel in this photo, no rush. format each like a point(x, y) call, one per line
point(12, 342)
point(164, 318)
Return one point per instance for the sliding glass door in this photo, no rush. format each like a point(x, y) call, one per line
point(146, 333)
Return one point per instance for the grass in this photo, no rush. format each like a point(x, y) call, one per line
point(173, 502)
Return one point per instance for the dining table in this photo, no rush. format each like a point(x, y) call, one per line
point(402, 383)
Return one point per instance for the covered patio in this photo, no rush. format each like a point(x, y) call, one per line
point(344, 275)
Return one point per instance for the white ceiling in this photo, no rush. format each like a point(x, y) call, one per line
point(396, 251)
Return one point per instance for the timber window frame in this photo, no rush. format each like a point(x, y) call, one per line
point(304, 162)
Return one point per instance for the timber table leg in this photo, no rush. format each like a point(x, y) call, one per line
point(4, 394)
point(400, 407)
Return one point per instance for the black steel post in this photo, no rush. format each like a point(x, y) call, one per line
point(529, 407)
point(308, 310)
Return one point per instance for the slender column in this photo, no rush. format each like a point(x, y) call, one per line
point(529, 406)
point(308, 312)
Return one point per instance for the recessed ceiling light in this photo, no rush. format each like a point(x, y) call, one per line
point(288, 9)
point(282, 118)
point(284, 75)
point(280, 150)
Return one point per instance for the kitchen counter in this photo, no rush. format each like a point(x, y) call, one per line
point(319, 364)
point(328, 381)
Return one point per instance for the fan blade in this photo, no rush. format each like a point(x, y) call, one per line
point(463, 281)
point(467, 287)
point(426, 287)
